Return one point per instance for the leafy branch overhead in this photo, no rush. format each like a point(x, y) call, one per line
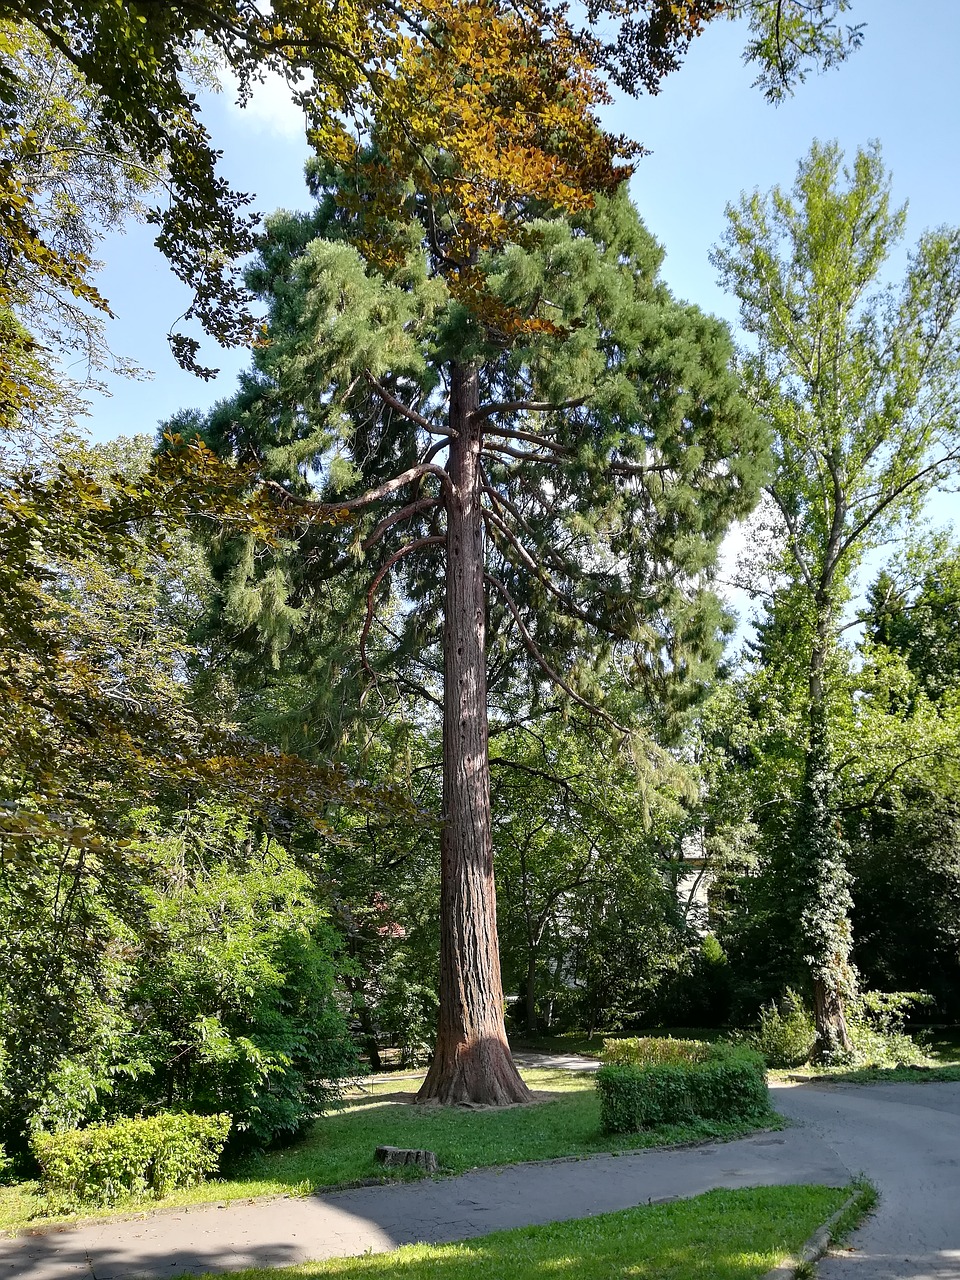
point(90, 702)
point(509, 91)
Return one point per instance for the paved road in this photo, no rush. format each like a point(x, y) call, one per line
point(906, 1138)
point(284, 1231)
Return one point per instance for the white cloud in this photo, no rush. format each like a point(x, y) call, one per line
point(270, 108)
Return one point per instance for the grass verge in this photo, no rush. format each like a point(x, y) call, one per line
point(723, 1235)
point(339, 1149)
point(864, 1200)
point(871, 1075)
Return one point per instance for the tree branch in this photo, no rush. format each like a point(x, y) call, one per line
point(571, 605)
point(531, 436)
point(423, 504)
point(525, 406)
point(794, 541)
point(405, 410)
point(365, 499)
point(898, 492)
point(523, 454)
point(378, 578)
point(505, 504)
point(541, 661)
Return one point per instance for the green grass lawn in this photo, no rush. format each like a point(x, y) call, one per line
point(592, 1046)
point(339, 1149)
point(724, 1235)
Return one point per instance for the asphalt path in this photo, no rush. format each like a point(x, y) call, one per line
point(282, 1231)
point(906, 1139)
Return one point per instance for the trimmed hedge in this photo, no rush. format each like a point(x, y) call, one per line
point(105, 1163)
point(729, 1083)
point(653, 1051)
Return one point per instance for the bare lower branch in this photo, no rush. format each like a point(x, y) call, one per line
point(524, 455)
point(531, 436)
point(378, 578)
point(525, 406)
point(405, 410)
point(365, 499)
point(541, 661)
point(412, 509)
point(429, 454)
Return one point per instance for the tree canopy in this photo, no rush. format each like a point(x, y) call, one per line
point(432, 70)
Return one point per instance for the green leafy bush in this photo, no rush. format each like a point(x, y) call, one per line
point(728, 1084)
point(876, 1021)
point(235, 987)
point(785, 1034)
point(653, 1051)
point(106, 1163)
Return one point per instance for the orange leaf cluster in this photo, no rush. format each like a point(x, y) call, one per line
point(483, 110)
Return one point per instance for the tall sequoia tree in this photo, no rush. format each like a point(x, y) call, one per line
point(860, 384)
point(558, 456)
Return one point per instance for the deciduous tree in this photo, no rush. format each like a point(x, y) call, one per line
point(860, 383)
point(345, 63)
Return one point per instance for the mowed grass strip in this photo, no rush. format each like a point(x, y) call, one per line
point(723, 1235)
point(339, 1149)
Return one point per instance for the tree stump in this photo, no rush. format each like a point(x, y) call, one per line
point(425, 1160)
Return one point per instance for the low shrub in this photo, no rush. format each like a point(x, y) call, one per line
point(653, 1051)
point(785, 1034)
point(105, 1163)
point(876, 1020)
point(728, 1083)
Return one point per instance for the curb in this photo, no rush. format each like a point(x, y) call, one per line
point(812, 1249)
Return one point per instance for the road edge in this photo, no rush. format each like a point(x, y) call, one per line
point(848, 1216)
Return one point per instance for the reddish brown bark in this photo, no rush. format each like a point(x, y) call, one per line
point(471, 1062)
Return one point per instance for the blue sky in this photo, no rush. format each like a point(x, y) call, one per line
point(711, 136)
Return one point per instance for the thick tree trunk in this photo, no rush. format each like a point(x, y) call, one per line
point(825, 924)
point(471, 1062)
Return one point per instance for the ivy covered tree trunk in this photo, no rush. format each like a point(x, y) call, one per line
point(471, 1062)
point(825, 927)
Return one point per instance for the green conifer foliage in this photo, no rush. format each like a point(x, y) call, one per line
point(553, 469)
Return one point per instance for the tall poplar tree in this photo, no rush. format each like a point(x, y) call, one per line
point(860, 384)
point(559, 458)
